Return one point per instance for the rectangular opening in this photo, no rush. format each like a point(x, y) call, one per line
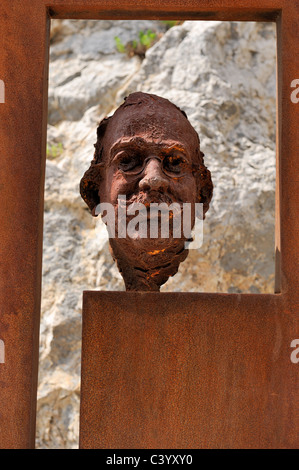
point(223, 75)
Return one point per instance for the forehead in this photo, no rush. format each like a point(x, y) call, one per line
point(155, 123)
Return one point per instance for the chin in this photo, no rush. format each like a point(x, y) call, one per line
point(147, 263)
point(153, 251)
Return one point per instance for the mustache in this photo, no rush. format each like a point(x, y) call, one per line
point(147, 198)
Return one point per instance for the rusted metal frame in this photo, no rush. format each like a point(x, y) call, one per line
point(287, 194)
point(277, 286)
point(23, 123)
point(238, 15)
point(281, 11)
point(21, 210)
point(225, 10)
point(220, 10)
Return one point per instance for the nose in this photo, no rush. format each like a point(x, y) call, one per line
point(153, 177)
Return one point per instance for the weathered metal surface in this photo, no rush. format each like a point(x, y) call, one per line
point(287, 221)
point(23, 68)
point(226, 10)
point(149, 154)
point(23, 120)
point(183, 370)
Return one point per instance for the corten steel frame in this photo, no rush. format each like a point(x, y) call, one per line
point(24, 46)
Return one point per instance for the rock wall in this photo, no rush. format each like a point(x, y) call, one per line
point(223, 75)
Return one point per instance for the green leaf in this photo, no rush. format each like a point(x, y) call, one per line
point(119, 45)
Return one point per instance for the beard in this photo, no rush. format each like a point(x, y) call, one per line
point(146, 261)
point(151, 219)
point(149, 197)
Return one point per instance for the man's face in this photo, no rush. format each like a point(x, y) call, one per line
point(148, 156)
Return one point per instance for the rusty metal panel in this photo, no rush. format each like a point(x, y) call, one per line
point(23, 69)
point(188, 370)
point(227, 10)
point(287, 223)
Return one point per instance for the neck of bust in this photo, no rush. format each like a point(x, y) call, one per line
point(147, 268)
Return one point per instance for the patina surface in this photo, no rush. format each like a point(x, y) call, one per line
point(148, 152)
point(185, 370)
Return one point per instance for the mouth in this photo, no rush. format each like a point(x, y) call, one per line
point(148, 198)
point(152, 215)
point(154, 211)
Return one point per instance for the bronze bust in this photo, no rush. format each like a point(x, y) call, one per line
point(147, 154)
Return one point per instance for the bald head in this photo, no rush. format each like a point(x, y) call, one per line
point(155, 121)
point(144, 114)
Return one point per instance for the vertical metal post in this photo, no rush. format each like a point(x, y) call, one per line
point(23, 68)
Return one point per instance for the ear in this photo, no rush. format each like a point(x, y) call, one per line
point(90, 183)
point(89, 186)
point(204, 185)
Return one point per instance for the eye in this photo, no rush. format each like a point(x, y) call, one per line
point(175, 164)
point(129, 162)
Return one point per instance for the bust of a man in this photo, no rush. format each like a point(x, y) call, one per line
point(147, 155)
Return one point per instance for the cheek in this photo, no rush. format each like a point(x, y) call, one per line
point(185, 189)
point(116, 185)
